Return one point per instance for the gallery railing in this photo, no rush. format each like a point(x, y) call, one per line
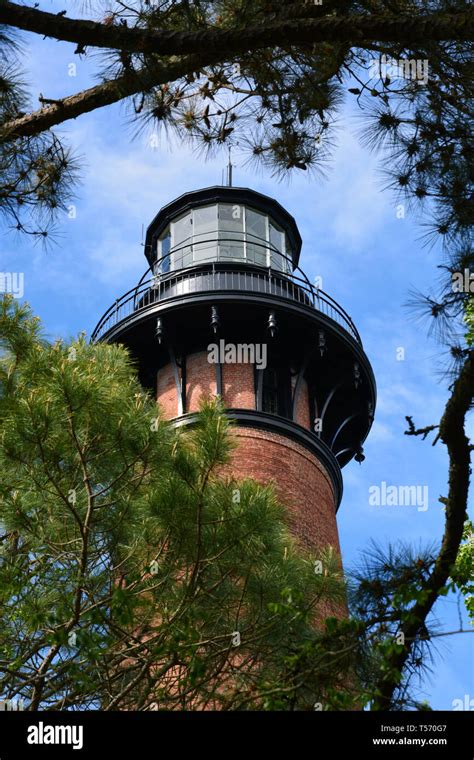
point(206, 278)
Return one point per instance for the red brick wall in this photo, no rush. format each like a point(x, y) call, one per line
point(238, 386)
point(166, 393)
point(300, 480)
point(302, 406)
point(200, 380)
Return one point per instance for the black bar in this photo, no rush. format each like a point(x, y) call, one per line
point(243, 734)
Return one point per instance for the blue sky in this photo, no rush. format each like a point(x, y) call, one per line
point(369, 261)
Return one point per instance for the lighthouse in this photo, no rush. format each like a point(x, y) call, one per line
point(225, 310)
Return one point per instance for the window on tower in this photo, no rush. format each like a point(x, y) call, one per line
point(181, 232)
point(256, 225)
point(270, 391)
point(276, 391)
point(277, 244)
point(231, 232)
point(204, 234)
point(164, 246)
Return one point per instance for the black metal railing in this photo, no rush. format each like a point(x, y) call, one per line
point(198, 280)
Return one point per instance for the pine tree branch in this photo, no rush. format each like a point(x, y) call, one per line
point(452, 434)
point(355, 28)
point(99, 96)
point(201, 49)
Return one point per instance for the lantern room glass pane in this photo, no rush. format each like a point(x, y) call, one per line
point(277, 241)
point(205, 234)
point(181, 230)
point(164, 246)
point(256, 234)
point(289, 255)
point(231, 232)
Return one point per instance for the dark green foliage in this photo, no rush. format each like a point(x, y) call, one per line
point(128, 565)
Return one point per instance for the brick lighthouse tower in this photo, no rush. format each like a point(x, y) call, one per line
point(224, 309)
